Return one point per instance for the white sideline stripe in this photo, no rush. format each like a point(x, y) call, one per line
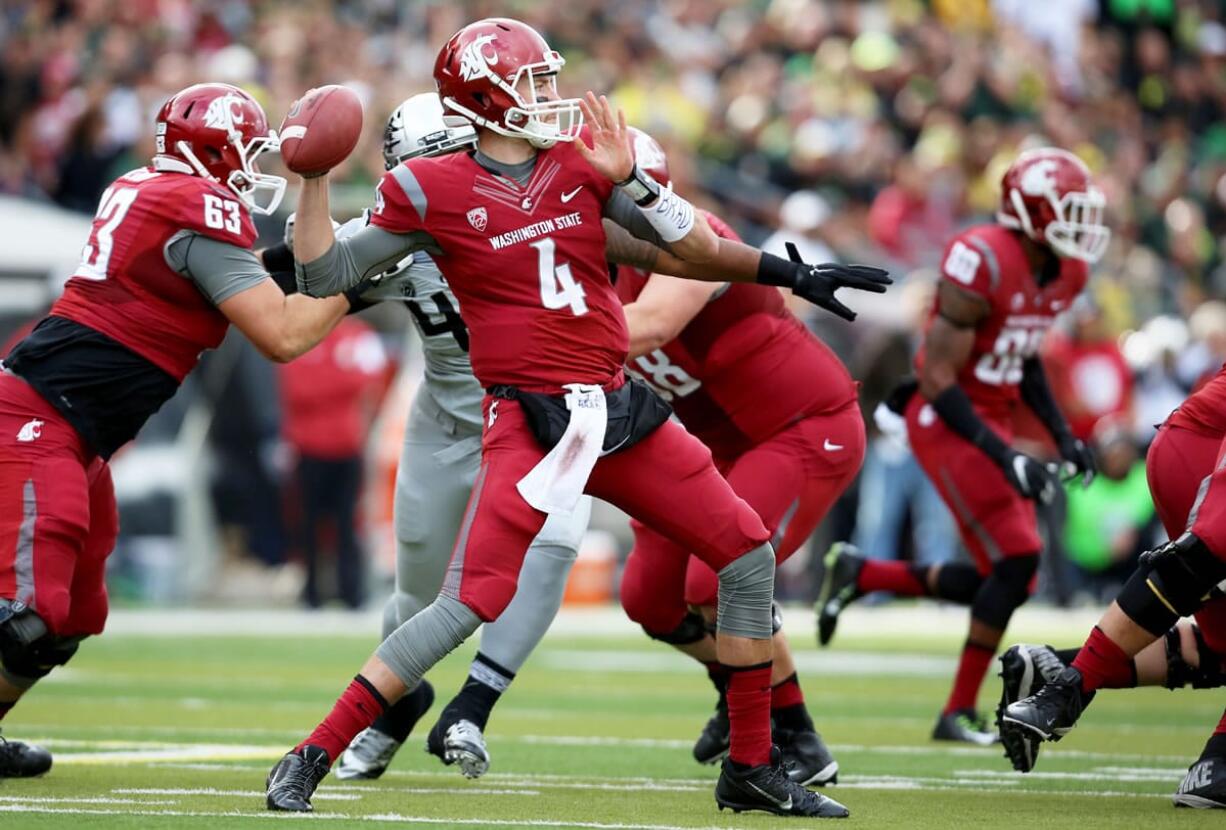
point(84, 799)
point(213, 791)
point(1047, 775)
point(173, 752)
point(379, 817)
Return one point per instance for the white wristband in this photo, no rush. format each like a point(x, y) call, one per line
point(671, 216)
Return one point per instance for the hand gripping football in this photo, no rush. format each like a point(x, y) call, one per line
point(321, 130)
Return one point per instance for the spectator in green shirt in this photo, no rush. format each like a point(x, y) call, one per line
point(1112, 521)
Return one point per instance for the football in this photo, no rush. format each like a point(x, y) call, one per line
point(321, 129)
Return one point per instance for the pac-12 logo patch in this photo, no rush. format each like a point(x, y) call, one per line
point(478, 218)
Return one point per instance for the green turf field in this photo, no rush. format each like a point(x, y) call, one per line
point(154, 731)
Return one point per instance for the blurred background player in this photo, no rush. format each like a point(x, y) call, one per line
point(167, 268)
point(552, 325)
point(1002, 286)
point(1128, 648)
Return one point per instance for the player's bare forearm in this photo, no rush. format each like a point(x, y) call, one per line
point(662, 310)
point(701, 245)
point(313, 234)
point(734, 262)
point(282, 327)
point(946, 351)
point(309, 320)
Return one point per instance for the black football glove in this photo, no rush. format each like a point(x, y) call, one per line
point(1033, 479)
point(1078, 460)
point(817, 283)
point(902, 393)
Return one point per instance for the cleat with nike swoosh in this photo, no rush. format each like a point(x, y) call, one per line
point(1047, 715)
point(843, 564)
point(767, 788)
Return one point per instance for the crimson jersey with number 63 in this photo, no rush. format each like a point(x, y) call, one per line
point(988, 260)
point(744, 368)
point(123, 286)
point(527, 263)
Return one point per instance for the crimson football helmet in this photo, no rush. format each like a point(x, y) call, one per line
point(217, 131)
point(479, 72)
point(649, 156)
point(1047, 195)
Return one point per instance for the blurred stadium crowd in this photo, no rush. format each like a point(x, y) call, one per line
point(868, 130)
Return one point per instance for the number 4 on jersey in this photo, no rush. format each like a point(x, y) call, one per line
point(558, 286)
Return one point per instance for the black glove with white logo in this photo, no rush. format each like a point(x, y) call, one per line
point(1078, 460)
point(1033, 479)
point(817, 283)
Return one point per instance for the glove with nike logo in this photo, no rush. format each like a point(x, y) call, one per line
point(1032, 479)
point(1078, 460)
point(817, 283)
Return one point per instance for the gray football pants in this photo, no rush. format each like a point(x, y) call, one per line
point(438, 465)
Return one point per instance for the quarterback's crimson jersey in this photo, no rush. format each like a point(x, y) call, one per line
point(989, 260)
point(744, 368)
point(526, 263)
point(1205, 409)
point(123, 287)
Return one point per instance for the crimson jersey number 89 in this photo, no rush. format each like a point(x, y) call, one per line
point(1003, 365)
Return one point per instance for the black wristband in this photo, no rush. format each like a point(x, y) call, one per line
point(279, 257)
point(287, 281)
point(774, 270)
point(354, 296)
point(956, 411)
point(640, 187)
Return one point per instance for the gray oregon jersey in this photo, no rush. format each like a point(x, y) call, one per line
point(418, 283)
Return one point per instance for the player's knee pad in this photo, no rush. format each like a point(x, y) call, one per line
point(28, 651)
point(958, 582)
point(691, 629)
point(1004, 590)
point(1179, 673)
point(1170, 582)
point(746, 594)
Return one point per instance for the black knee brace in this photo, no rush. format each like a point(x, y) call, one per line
point(1208, 675)
point(27, 650)
point(691, 629)
point(1004, 590)
point(1170, 582)
point(958, 582)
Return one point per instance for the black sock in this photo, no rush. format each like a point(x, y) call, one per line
point(5, 706)
point(718, 675)
point(398, 720)
point(957, 582)
point(1215, 747)
point(485, 684)
point(788, 710)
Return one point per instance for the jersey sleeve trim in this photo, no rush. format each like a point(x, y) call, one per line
point(989, 257)
point(412, 189)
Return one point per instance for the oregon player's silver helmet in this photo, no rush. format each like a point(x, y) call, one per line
point(416, 128)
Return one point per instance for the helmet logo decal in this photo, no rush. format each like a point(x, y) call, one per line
point(1039, 178)
point(474, 59)
point(224, 113)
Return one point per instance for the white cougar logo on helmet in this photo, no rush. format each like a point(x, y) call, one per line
point(224, 112)
point(474, 59)
point(1039, 178)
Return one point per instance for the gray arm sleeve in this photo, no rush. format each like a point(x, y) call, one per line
point(622, 210)
point(366, 253)
point(219, 269)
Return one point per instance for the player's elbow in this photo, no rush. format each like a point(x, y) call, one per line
point(935, 379)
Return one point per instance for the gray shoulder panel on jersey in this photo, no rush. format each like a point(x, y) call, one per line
point(989, 256)
point(412, 188)
point(219, 269)
point(622, 210)
point(369, 251)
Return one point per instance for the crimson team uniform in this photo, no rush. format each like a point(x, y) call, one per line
point(125, 321)
point(1184, 471)
point(778, 411)
point(988, 260)
point(538, 334)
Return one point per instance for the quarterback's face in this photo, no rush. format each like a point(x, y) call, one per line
point(538, 88)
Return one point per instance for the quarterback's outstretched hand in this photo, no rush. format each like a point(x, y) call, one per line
point(817, 283)
point(611, 154)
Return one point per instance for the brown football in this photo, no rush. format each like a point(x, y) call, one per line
point(321, 129)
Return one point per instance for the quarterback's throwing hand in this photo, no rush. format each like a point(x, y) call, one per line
point(817, 283)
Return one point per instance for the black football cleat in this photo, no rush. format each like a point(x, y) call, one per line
point(460, 742)
point(806, 759)
point(1024, 669)
point(963, 726)
point(767, 788)
point(1204, 787)
point(843, 564)
point(293, 780)
point(22, 760)
point(712, 745)
point(1051, 712)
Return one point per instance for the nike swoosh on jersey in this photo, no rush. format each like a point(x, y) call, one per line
point(829, 447)
point(566, 197)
